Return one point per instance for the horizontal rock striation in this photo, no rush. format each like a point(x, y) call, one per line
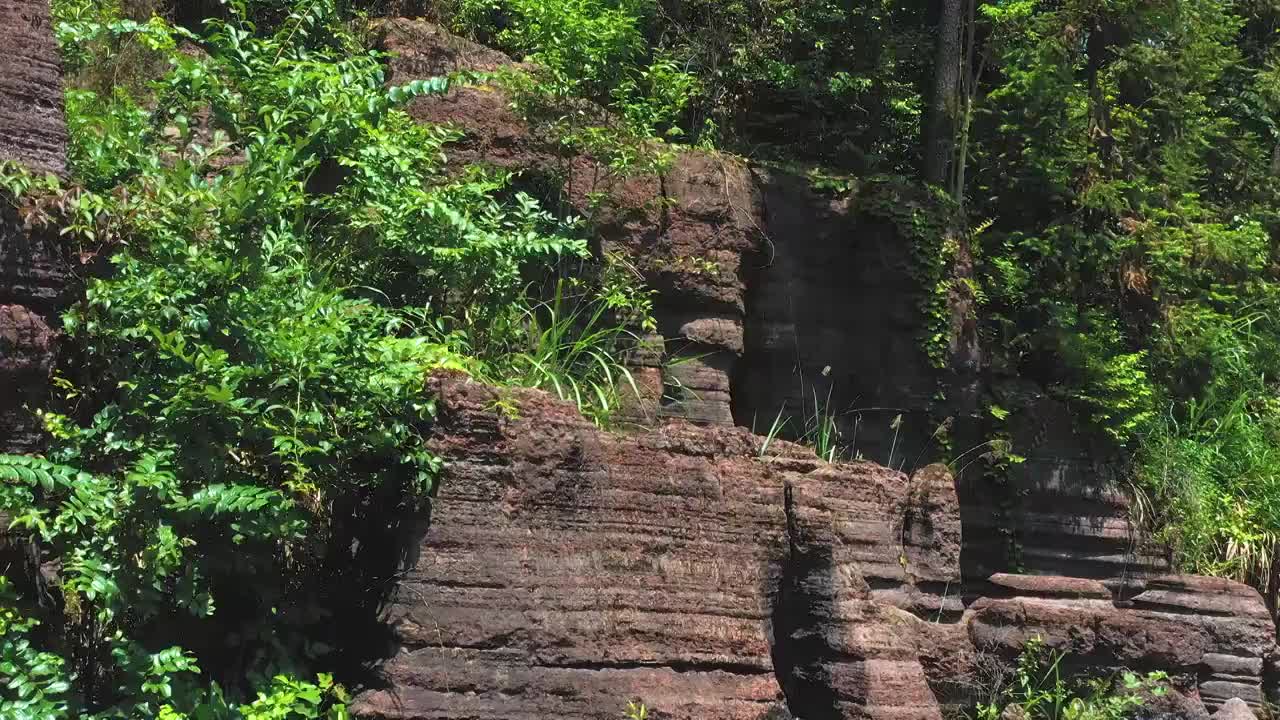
point(1215, 632)
point(32, 271)
point(567, 571)
point(774, 299)
point(32, 129)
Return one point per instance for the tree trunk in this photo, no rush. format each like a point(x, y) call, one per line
point(968, 90)
point(940, 123)
point(1096, 49)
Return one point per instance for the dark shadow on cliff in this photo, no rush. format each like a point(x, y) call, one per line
point(328, 615)
point(801, 612)
point(378, 539)
point(832, 313)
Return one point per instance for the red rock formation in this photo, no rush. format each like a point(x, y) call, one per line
point(568, 570)
point(33, 134)
point(1216, 631)
point(32, 130)
point(770, 294)
point(690, 232)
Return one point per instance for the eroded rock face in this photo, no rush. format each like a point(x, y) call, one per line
point(1214, 631)
point(692, 233)
point(32, 271)
point(567, 571)
point(773, 298)
point(32, 129)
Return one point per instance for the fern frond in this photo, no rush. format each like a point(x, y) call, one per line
point(33, 471)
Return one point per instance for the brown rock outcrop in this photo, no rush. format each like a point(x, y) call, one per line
point(567, 571)
point(32, 129)
point(689, 232)
point(774, 298)
point(1234, 709)
point(32, 134)
point(1216, 631)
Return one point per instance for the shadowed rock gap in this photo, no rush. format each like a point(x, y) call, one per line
point(804, 597)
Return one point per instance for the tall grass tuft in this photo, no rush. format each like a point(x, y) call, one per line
point(1210, 481)
point(575, 352)
point(572, 346)
point(821, 429)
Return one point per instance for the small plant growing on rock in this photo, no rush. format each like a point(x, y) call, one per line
point(1038, 690)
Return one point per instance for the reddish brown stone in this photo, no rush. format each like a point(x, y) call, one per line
point(568, 570)
point(32, 271)
point(1048, 586)
point(32, 129)
point(687, 231)
point(26, 360)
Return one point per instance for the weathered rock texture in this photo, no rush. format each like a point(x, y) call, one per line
point(33, 134)
point(567, 571)
point(774, 297)
point(32, 130)
point(690, 232)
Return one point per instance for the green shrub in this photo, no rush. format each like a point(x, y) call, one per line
point(1038, 690)
point(255, 360)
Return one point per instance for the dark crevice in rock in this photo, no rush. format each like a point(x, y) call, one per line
point(798, 648)
point(686, 666)
point(831, 327)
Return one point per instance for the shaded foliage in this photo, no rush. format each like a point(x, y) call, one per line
point(289, 259)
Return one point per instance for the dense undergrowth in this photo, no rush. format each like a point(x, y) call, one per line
point(1039, 687)
point(288, 261)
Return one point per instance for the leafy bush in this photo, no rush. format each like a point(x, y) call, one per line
point(585, 52)
point(587, 46)
point(1038, 690)
point(254, 365)
point(1130, 266)
point(127, 558)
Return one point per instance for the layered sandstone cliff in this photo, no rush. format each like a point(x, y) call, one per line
point(566, 571)
point(32, 271)
point(772, 294)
